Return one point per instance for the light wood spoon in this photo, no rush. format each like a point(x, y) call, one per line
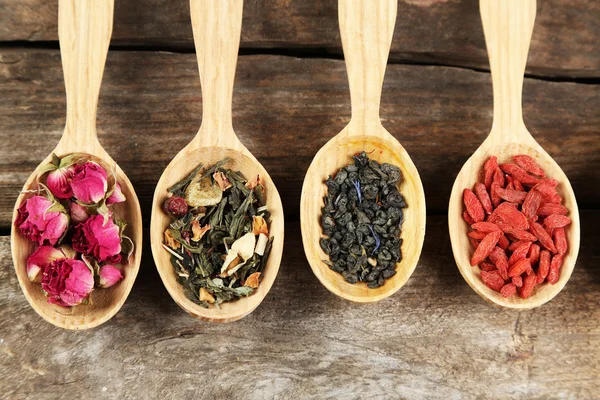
point(217, 27)
point(366, 28)
point(508, 26)
point(84, 29)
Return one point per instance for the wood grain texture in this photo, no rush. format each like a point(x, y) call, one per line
point(435, 339)
point(284, 110)
point(437, 31)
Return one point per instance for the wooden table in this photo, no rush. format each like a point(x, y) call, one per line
point(433, 339)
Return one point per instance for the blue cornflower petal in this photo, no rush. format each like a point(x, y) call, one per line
point(356, 184)
point(377, 241)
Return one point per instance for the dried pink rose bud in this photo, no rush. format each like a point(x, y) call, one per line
point(117, 195)
point(67, 282)
point(59, 182)
point(39, 225)
point(109, 275)
point(78, 212)
point(89, 183)
point(39, 260)
point(98, 239)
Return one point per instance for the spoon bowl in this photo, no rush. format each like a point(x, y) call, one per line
point(508, 26)
point(217, 28)
point(84, 29)
point(366, 29)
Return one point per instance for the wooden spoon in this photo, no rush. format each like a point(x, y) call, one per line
point(508, 26)
point(217, 26)
point(366, 28)
point(84, 29)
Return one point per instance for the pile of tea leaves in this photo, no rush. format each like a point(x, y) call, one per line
point(219, 235)
point(362, 221)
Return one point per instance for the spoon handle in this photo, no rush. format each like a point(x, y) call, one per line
point(217, 26)
point(366, 28)
point(508, 26)
point(84, 31)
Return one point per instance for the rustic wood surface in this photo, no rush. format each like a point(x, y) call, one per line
point(435, 338)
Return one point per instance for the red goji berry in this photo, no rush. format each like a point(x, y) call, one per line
point(503, 242)
point(560, 240)
point(508, 290)
point(494, 194)
point(484, 197)
point(487, 266)
point(507, 213)
point(498, 257)
point(473, 205)
point(528, 284)
point(499, 177)
point(548, 192)
point(477, 235)
point(485, 247)
point(534, 254)
point(517, 185)
point(544, 267)
point(474, 242)
point(543, 236)
point(513, 196)
point(519, 174)
point(518, 234)
point(556, 221)
point(468, 218)
point(546, 209)
point(555, 264)
point(531, 204)
point(528, 164)
point(492, 279)
point(517, 281)
point(519, 253)
point(485, 227)
point(519, 268)
point(489, 168)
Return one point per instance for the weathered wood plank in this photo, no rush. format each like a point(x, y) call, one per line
point(285, 109)
point(437, 31)
point(434, 339)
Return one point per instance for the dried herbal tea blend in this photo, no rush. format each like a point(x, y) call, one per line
point(80, 245)
point(518, 226)
point(219, 234)
point(362, 221)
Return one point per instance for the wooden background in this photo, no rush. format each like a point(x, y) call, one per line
point(435, 338)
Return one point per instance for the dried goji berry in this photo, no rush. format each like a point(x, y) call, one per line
point(555, 264)
point(485, 247)
point(483, 197)
point(531, 204)
point(556, 221)
point(528, 284)
point(487, 266)
point(519, 174)
point(474, 242)
point(518, 234)
point(510, 186)
point(543, 236)
point(519, 268)
point(519, 253)
point(513, 196)
point(499, 177)
point(489, 167)
point(503, 242)
point(498, 257)
point(485, 227)
point(517, 185)
point(546, 209)
point(507, 213)
point(528, 164)
point(517, 281)
point(477, 235)
point(534, 254)
point(560, 240)
point(468, 218)
point(544, 267)
point(494, 194)
point(492, 279)
point(515, 245)
point(508, 290)
point(548, 192)
point(473, 205)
